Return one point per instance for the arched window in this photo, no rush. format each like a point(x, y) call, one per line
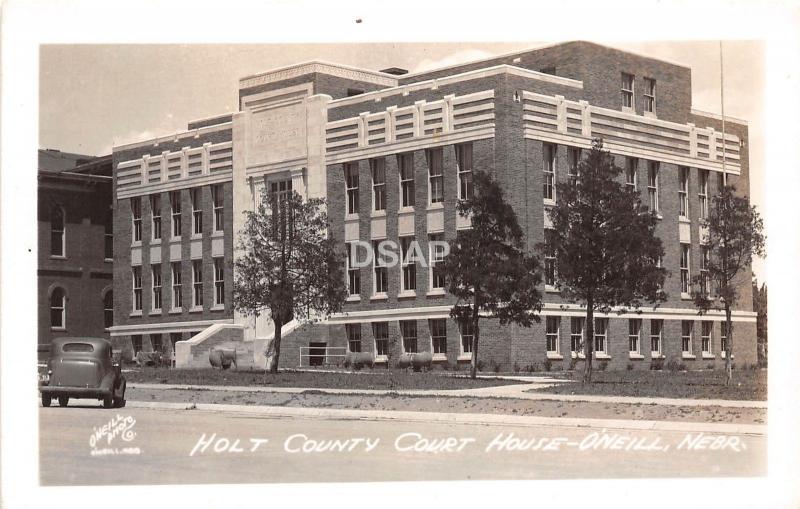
point(57, 309)
point(108, 309)
point(57, 231)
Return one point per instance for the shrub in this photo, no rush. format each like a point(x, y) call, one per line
point(673, 365)
point(516, 367)
point(602, 365)
point(573, 362)
point(657, 364)
point(548, 364)
point(629, 367)
point(710, 366)
point(532, 368)
point(480, 365)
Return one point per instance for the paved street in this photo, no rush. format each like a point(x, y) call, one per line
point(178, 446)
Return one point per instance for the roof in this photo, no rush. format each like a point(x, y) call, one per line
point(56, 161)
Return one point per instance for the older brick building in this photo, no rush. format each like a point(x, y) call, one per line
point(392, 153)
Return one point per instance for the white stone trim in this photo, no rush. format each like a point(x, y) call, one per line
point(320, 66)
point(717, 116)
point(176, 185)
point(165, 327)
point(194, 133)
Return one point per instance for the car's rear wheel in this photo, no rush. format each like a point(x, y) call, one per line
point(63, 400)
point(108, 401)
point(46, 400)
point(119, 399)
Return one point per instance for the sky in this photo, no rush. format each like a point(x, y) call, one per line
point(92, 97)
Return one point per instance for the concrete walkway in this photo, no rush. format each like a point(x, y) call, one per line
point(515, 391)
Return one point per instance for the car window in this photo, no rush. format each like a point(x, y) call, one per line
point(78, 347)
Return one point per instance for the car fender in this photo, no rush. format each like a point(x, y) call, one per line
point(108, 382)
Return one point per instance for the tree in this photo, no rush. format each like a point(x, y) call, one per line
point(487, 269)
point(289, 264)
point(760, 307)
point(735, 234)
point(603, 240)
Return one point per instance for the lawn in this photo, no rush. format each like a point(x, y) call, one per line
point(388, 380)
point(746, 384)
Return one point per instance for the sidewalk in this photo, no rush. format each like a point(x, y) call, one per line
point(516, 391)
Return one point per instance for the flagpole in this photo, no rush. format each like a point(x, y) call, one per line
point(722, 108)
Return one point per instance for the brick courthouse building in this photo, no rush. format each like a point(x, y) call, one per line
point(392, 152)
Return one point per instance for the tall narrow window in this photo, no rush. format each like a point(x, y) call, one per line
point(705, 336)
point(58, 309)
point(650, 95)
point(436, 247)
point(137, 287)
point(683, 192)
point(378, 184)
point(353, 272)
point(467, 334)
point(551, 334)
point(381, 274)
point(600, 332)
point(464, 161)
point(197, 283)
point(197, 211)
point(630, 172)
point(685, 268)
point(175, 208)
point(380, 330)
point(109, 235)
point(108, 309)
point(576, 335)
point(219, 281)
point(155, 214)
point(686, 336)
point(702, 193)
point(656, 326)
point(439, 335)
point(353, 337)
point(406, 162)
point(634, 331)
point(57, 231)
point(705, 278)
point(723, 338)
point(156, 289)
point(136, 343)
point(136, 214)
point(435, 175)
point(652, 184)
point(574, 156)
point(549, 170)
point(408, 330)
point(156, 342)
point(351, 187)
point(549, 258)
point(281, 190)
point(218, 196)
point(408, 264)
point(627, 90)
point(177, 296)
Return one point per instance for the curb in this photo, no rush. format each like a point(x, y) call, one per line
point(459, 418)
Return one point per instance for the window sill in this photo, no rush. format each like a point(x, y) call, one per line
point(554, 356)
point(439, 357)
point(688, 356)
point(58, 257)
point(577, 355)
point(377, 213)
point(628, 109)
point(435, 206)
point(175, 239)
point(685, 296)
point(136, 243)
point(635, 356)
point(464, 357)
point(155, 312)
point(684, 219)
point(217, 307)
point(196, 309)
point(601, 356)
point(353, 298)
point(407, 294)
point(551, 289)
point(218, 233)
point(196, 236)
point(58, 329)
point(722, 355)
point(549, 203)
point(351, 217)
point(136, 313)
point(658, 215)
point(650, 114)
point(709, 355)
point(656, 355)
point(381, 359)
point(155, 242)
point(436, 292)
point(108, 260)
point(405, 210)
point(176, 311)
point(379, 296)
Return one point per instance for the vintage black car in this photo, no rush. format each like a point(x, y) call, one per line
point(82, 368)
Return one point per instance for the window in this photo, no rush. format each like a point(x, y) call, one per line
point(705, 278)
point(156, 271)
point(600, 332)
point(175, 207)
point(407, 262)
point(197, 211)
point(137, 288)
point(634, 330)
point(353, 272)
point(197, 283)
point(351, 186)
point(381, 332)
point(627, 90)
point(548, 70)
point(218, 197)
point(219, 281)
point(177, 297)
point(58, 309)
point(630, 172)
point(574, 156)
point(551, 334)
point(381, 279)
point(683, 191)
point(705, 336)
point(156, 342)
point(650, 95)
point(652, 184)
point(108, 309)
point(436, 257)
point(378, 184)
point(686, 336)
point(57, 244)
point(408, 330)
point(464, 161)
point(655, 336)
point(685, 268)
point(576, 335)
point(467, 334)
point(435, 175)
point(406, 162)
point(702, 193)
point(723, 338)
point(353, 337)
point(439, 335)
point(136, 214)
point(280, 190)
point(155, 214)
point(549, 169)
point(109, 235)
point(136, 343)
point(549, 258)
point(354, 91)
